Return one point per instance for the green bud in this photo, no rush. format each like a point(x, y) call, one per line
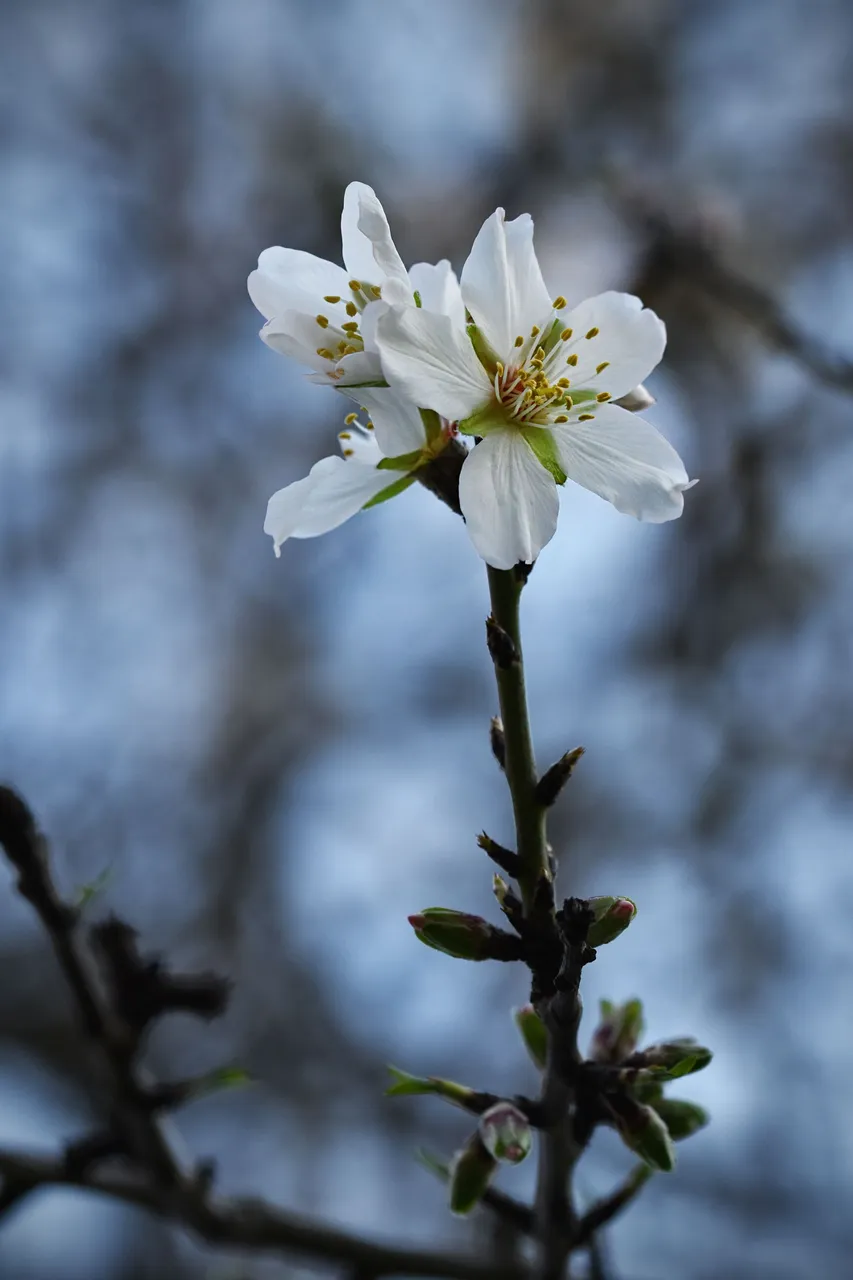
point(505, 1133)
point(612, 917)
point(616, 1035)
point(682, 1119)
point(674, 1058)
point(644, 1132)
point(465, 936)
point(533, 1033)
point(470, 1174)
point(402, 1085)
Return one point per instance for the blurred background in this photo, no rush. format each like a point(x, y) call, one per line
point(277, 760)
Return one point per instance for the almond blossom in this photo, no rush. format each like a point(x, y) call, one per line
point(535, 384)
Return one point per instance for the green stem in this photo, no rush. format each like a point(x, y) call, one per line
point(531, 842)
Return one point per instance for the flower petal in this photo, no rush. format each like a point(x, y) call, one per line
point(629, 342)
point(502, 284)
point(334, 490)
point(439, 289)
point(622, 458)
point(431, 360)
point(295, 334)
point(369, 251)
point(290, 280)
point(397, 423)
point(508, 499)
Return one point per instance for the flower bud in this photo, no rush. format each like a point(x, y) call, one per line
point(465, 936)
point(643, 1131)
point(616, 1035)
point(505, 1132)
point(612, 917)
point(636, 400)
point(674, 1058)
point(470, 1174)
point(682, 1119)
point(533, 1033)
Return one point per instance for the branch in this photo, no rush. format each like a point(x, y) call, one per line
point(251, 1224)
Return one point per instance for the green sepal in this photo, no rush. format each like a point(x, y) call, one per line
point(582, 397)
point(433, 1164)
point(470, 1174)
point(491, 417)
point(682, 1119)
point(534, 1034)
point(483, 349)
point(644, 1132)
point(544, 446)
point(403, 462)
point(432, 425)
point(399, 486)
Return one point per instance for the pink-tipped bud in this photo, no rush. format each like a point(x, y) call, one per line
point(505, 1132)
point(612, 917)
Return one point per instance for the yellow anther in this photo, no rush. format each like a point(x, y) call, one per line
point(368, 426)
point(375, 290)
point(605, 364)
point(325, 353)
point(593, 333)
point(566, 334)
point(348, 454)
point(500, 368)
point(559, 303)
point(349, 350)
point(355, 285)
point(351, 418)
point(331, 297)
point(519, 342)
point(563, 382)
point(569, 402)
point(534, 331)
point(572, 360)
point(351, 326)
point(345, 435)
point(602, 396)
point(352, 309)
point(586, 417)
point(561, 418)
point(323, 321)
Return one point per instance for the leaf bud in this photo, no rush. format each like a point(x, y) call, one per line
point(616, 1035)
point(505, 1132)
point(682, 1119)
point(674, 1058)
point(612, 917)
point(533, 1033)
point(554, 779)
point(464, 936)
point(644, 1132)
point(403, 1084)
point(471, 1172)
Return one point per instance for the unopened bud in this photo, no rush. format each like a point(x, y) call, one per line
point(505, 1132)
point(554, 779)
point(674, 1058)
point(533, 1033)
point(464, 936)
point(616, 1035)
point(682, 1119)
point(470, 1174)
point(636, 400)
point(506, 859)
point(643, 1131)
point(498, 741)
point(612, 917)
point(501, 645)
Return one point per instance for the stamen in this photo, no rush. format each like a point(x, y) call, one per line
point(368, 426)
point(586, 417)
point(355, 285)
point(569, 402)
point(351, 418)
point(559, 303)
point(348, 453)
point(566, 334)
point(323, 321)
point(331, 297)
point(349, 350)
point(500, 369)
point(351, 326)
point(563, 382)
point(325, 353)
point(572, 360)
point(561, 418)
point(534, 331)
point(352, 309)
point(605, 364)
point(519, 342)
point(345, 435)
point(602, 396)
point(593, 333)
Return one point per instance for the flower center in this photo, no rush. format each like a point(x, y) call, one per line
point(344, 338)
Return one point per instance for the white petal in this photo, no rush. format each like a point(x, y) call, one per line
point(502, 284)
point(290, 280)
point(396, 421)
point(508, 499)
point(439, 289)
point(360, 447)
point(622, 458)
point(334, 490)
point(369, 251)
point(431, 360)
point(630, 338)
point(292, 333)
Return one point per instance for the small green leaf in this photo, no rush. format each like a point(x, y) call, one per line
point(682, 1119)
point(403, 1084)
point(533, 1033)
point(470, 1174)
point(405, 462)
point(544, 446)
point(644, 1132)
point(399, 486)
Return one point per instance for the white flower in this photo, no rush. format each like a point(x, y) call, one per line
point(537, 385)
point(325, 316)
point(338, 487)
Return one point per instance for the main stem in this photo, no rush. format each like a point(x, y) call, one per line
point(557, 1151)
point(520, 762)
